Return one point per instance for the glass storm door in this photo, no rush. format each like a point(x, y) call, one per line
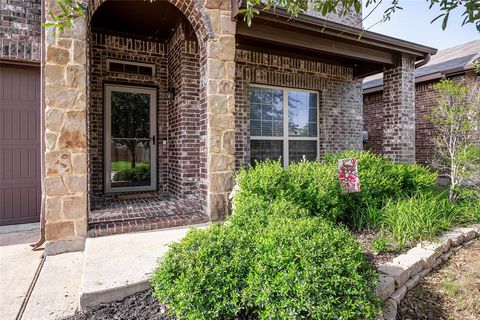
point(130, 146)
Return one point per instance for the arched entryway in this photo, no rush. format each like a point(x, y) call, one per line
point(75, 87)
point(146, 118)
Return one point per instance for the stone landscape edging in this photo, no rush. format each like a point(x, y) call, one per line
point(404, 272)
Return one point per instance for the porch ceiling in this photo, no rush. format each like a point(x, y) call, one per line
point(367, 54)
point(147, 19)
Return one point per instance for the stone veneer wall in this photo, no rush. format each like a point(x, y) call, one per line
point(20, 33)
point(340, 103)
point(425, 99)
point(66, 119)
point(405, 271)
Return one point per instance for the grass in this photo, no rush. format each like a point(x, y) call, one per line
point(452, 292)
point(122, 165)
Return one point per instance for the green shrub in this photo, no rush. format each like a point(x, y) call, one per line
point(308, 269)
point(420, 217)
point(286, 268)
point(310, 185)
point(381, 179)
point(136, 174)
point(314, 186)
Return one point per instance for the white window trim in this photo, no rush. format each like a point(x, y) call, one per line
point(285, 138)
point(108, 137)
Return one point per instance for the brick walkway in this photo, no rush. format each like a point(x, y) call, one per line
point(109, 216)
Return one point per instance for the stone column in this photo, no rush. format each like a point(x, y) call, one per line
point(399, 110)
point(221, 105)
point(65, 138)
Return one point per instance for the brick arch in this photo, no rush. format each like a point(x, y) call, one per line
point(191, 9)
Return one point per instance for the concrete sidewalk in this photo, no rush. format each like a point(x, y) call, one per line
point(109, 269)
point(18, 265)
point(120, 265)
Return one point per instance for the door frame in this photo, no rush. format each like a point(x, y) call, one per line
point(108, 88)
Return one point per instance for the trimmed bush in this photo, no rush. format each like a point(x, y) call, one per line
point(281, 268)
point(308, 269)
point(136, 174)
point(310, 185)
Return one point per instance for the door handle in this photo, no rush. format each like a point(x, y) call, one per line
point(154, 140)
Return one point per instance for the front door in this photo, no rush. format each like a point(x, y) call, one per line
point(130, 142)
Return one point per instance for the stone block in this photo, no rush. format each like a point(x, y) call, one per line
point(409, 262)
point(398, 295)
point(456, 238)
point(227, 48)
point(57, 55)
point(412, 282)
point(228, 142)
point(227, 26)
point(59, 96)
point(55, 186)
point(435, 246)
point(218, 104)
point(446, 255)
point(220, 182)
point(75, 207)
point(222, 121)
point(385, 287)
point(221, 162)
point(390, 310)
point(50, 140)
point(76, 184)
point(398, 273)
point(79, 163)
point(216, 69)
point(59, 230)
point(437, 263)
point(54, 119)
point(428, 256)
point(218, 206)
point(57, 162)
point(55, 74)
point(468, 233)
point(424, 272)
point(53, 208)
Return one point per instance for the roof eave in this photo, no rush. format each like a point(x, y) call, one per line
point(345, 32)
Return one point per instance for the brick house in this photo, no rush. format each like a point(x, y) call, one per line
point(454, 63)
point(149, 107)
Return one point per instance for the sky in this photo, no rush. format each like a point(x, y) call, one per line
point(413, 24)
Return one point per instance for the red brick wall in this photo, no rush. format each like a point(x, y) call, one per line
point(183, 115)
point(425, 99)
point(20, 30)
point(340, 97)
point(178, 121)
point(373, 121)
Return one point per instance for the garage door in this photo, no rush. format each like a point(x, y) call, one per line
point(20, 184)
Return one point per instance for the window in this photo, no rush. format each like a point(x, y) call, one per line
point(283, 124)
point(144, 69)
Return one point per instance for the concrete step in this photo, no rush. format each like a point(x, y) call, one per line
point(117, 266)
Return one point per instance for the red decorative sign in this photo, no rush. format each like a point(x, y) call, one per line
point(348, 175)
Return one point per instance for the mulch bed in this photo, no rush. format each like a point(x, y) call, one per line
point(366, 238)
point(140, 306)
point(451, 292)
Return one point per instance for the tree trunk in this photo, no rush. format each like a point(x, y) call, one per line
point(132, 147)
